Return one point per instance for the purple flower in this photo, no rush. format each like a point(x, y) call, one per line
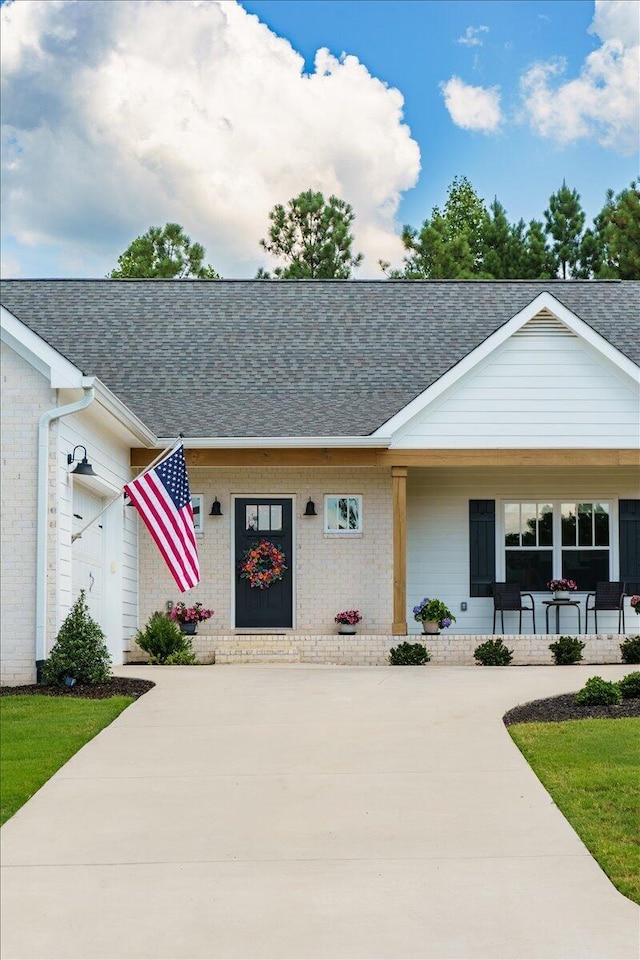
point(446, 622)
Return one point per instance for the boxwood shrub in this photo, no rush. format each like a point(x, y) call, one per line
point(567, 650)
point(599, 692)
point(493, 653)
point(409, 655)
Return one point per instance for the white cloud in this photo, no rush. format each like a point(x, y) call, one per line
point(604, 100)
point(124, 114)
point(472, 36)
point(472, 108)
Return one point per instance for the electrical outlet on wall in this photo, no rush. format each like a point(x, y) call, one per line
point(463, 605)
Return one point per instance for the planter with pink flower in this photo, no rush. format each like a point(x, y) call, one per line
point(188, 618)
point(347, 620)
point(562, 588)
point(635, 603)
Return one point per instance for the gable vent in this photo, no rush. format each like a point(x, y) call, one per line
point(544, 324)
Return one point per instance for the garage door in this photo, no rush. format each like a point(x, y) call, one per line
point(87, 552)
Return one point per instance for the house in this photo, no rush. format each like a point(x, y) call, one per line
point(396, 439)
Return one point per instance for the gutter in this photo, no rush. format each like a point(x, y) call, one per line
point(44, 423)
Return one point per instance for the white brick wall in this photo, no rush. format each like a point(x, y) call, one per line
point(25, 395)
point(332, 573)
point(368, 650)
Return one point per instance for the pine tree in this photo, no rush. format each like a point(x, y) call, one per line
point(617, 227)
point(565, 222)
point(313, 237)
point(163, 253)
point(539, 261)
point(503, 249)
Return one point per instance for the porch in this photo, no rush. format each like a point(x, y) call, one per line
point(372, 650)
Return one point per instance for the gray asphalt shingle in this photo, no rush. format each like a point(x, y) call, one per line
point(276, 358)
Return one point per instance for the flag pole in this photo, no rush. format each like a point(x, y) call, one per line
point(76, 536)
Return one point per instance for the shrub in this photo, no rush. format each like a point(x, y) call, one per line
point(630, 650)
point(567, 650)
point(597, 691)
point(79, 651)
point(629, 686)
point(181, 658)
point(493, 653)
point(161, 639)
point(408, 655)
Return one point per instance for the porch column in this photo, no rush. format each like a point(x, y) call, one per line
point(399, 486)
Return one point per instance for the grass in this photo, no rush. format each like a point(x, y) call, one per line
point(41, 733)
point(591, 768)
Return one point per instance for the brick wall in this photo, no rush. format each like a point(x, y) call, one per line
point(331, 572)
point(25, 395)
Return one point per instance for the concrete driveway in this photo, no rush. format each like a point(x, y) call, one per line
point(310, 812)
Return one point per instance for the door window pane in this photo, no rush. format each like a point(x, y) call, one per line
point(252, 517)
point(264, 516)
point(276, 517)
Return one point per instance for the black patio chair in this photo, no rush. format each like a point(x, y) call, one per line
point(609, 595)
point(507, 596)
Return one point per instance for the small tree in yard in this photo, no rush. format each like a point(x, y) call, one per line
point(79, 651)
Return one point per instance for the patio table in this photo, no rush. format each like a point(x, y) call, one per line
point(558, 604)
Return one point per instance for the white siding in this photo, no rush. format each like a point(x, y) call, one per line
point(109, 457)
point(539, 389)
point(438, 533)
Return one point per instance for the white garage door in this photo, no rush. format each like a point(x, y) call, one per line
point(87, 552)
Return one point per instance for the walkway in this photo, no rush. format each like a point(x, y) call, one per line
point(310, 812)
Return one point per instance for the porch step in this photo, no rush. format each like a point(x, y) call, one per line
point(265, 650)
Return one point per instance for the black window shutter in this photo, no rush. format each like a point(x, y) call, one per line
point(629, 516)
point(482, 547)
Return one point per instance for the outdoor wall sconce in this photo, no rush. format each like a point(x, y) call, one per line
point(216, 509)
point(310, 509)
point(83, 468)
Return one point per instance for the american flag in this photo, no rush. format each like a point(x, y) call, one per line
point(162, 498)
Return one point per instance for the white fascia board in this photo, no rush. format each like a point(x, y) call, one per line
point(199, 443)
point(464, 366)
point(107, 399)
point(60, 372)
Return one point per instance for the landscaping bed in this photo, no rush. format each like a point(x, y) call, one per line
point(114, 687)
point(564, 707)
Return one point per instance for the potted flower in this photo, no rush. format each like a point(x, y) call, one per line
point(189, 617)
point(562, 588)
point(348, 620)
point(635, 603)
point(434, 615)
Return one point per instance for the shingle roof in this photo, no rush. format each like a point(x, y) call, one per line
point(288, 358)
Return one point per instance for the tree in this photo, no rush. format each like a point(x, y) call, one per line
point(313, 237)
point(79, 651)
point(502, 245)
point(449, 243)
point(163, 253)
point(565, 221)
point(539, 262)
point(617, 227)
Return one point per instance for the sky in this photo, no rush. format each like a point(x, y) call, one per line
point(122, 114)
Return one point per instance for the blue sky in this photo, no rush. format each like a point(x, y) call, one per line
point(120, 115)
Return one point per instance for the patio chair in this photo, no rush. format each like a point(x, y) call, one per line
point(609, 595)
point(507, 596)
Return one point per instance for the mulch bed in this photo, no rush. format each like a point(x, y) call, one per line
point(116, 687)
point(564, 707)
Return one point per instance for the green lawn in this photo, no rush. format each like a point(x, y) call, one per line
point(39, 734)
point(591, 768)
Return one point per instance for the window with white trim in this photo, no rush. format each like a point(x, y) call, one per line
point(545, 540)
point(342, 513)
point(197, 505)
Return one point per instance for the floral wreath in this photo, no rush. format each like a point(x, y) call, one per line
point(262, 565)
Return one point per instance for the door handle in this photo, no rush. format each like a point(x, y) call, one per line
point(91, 581)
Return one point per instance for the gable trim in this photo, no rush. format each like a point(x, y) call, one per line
point(543, 302)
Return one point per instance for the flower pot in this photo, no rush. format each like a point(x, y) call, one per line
point(430, 626)
point(346, 628)
point(561, 594)
point(188, 628)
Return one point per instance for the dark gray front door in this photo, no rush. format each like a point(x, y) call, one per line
point(256, 519)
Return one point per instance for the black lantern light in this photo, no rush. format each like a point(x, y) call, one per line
point(83, 468)
point(216, 509)
point(310, 509)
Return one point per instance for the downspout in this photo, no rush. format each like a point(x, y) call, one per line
point(46, 420)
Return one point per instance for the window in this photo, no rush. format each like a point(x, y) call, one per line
point(568, 539)
point(198, 516)
point(343, 514)
point(263, 517)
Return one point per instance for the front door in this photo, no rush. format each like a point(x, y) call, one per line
point(256, 519)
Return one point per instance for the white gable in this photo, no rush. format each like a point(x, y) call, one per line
point(543, 386)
